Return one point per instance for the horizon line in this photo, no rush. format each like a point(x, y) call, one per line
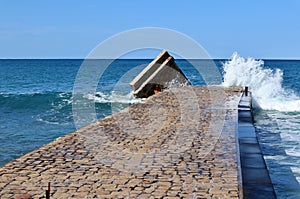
point(133, 58)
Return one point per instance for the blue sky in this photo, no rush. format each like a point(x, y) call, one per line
point(71, 29)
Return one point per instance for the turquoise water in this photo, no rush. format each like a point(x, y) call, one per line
point(36, 105)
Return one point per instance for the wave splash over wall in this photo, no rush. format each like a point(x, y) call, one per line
point(264, 83)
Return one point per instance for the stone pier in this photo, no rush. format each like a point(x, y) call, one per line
point(180, 143)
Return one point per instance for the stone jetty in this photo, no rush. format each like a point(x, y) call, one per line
point(180, 143)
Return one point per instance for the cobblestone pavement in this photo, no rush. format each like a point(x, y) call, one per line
point(177, 144)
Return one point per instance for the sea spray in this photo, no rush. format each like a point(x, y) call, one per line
point(113, 97)
point(264, 83)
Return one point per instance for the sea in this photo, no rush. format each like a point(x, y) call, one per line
point(36, 100)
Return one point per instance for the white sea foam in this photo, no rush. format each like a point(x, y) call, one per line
point(113, 97)
point(174, 83)
point(265, 84)
point(297, 171)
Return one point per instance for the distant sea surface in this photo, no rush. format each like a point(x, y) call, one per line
point(36, 105)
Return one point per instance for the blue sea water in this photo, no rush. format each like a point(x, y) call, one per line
point(36, 105)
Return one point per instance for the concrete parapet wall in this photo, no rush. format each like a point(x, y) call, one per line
point(256, 182)
point(149, 70)
point(162, 72)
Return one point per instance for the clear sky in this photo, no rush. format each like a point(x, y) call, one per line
point(72, 28)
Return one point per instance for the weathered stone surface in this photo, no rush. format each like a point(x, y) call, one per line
point(183, 144)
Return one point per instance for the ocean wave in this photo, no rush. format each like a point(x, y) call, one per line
point(264, 83)
point(34, 100)
point(112, 97)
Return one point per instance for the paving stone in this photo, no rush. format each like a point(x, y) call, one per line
point(149, 150)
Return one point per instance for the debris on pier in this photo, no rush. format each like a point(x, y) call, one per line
point(160, 74)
